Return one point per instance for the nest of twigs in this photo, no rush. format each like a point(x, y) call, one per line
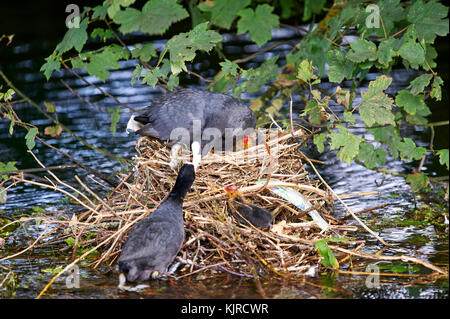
point(214, 239)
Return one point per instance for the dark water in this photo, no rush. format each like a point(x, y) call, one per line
point(21, 64)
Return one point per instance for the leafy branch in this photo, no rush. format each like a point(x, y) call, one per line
point(403, 35)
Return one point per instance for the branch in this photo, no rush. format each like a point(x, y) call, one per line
point(98, 88)
point(27, 99)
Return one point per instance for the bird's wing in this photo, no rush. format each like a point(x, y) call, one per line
point(152, 239)
point(173, 112)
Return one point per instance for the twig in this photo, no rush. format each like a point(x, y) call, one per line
point(79, 164)
point(31, 102)
point(97, 87)
point(345, 205)
point(268, 48)
point(98, 108)
point(365, 211)
point(382, 257)
point(37, 170)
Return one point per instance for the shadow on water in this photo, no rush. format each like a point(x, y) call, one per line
point(22, 62)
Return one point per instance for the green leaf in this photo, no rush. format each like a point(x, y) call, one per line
point(312, 7)
point(386, 51)
point(7, 96)
point(417, 181)
point(10, 116)
point(305, 71)
point(183, 46)
point(51, 108)
point(99, 62)
point(144, 52)
point(315, 109)
point(30, 136)
point(345, 17)
point(136, 73)
point(52, 64)
point(258, 77)
point(376, 105)
point(430, 56)
point(99, 12)
point(390, 12)
point(443, 157)
point(328, 258)
point(362, 50)
point(394, 145)
point(10, 166)
point(412, 51)
point(348, 116)
point(428, 19)
point(258, 23)
point(151, 78)
point(115, 117)
point(229, 68)
point(223, 12)
point(371, 156)
point(347, 143)
point(70, 241)
point(159, 15)
point(382, 134)
point(74, 38)
point(286, 8)
point(129, 20)
point(114, 6)
point(340, 67)
point(156, 17)
point(315, 48)
point(409, 151)
point(411, 103)
point(319, 140)
point(436, 92)
point(103, 34)
point(174, 80)
point(420, 83)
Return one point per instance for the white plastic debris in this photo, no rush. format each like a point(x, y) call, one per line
point(297, 199)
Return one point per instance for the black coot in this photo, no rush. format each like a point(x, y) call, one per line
point(156, 240)
point(257, 216)
point(180, 111)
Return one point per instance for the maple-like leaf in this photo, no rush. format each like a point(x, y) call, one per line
point(258, 23)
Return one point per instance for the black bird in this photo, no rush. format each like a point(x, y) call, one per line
point(241, 208)
point(156, 240)
point(192, 112)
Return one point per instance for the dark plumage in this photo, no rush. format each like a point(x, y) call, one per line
point(156, 240)
point(181, 108)
point(257, 216)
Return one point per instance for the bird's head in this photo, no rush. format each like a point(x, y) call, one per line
point(244, 143)
point(232, 191)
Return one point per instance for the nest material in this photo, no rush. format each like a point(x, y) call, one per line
point(214, 239)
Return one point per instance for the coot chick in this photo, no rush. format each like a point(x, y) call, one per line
point(257, 216)
point(192, 112)
point(156, 240)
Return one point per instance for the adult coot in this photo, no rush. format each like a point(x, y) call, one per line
point(156, 240)
point(199, 116)
point(240, 208)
